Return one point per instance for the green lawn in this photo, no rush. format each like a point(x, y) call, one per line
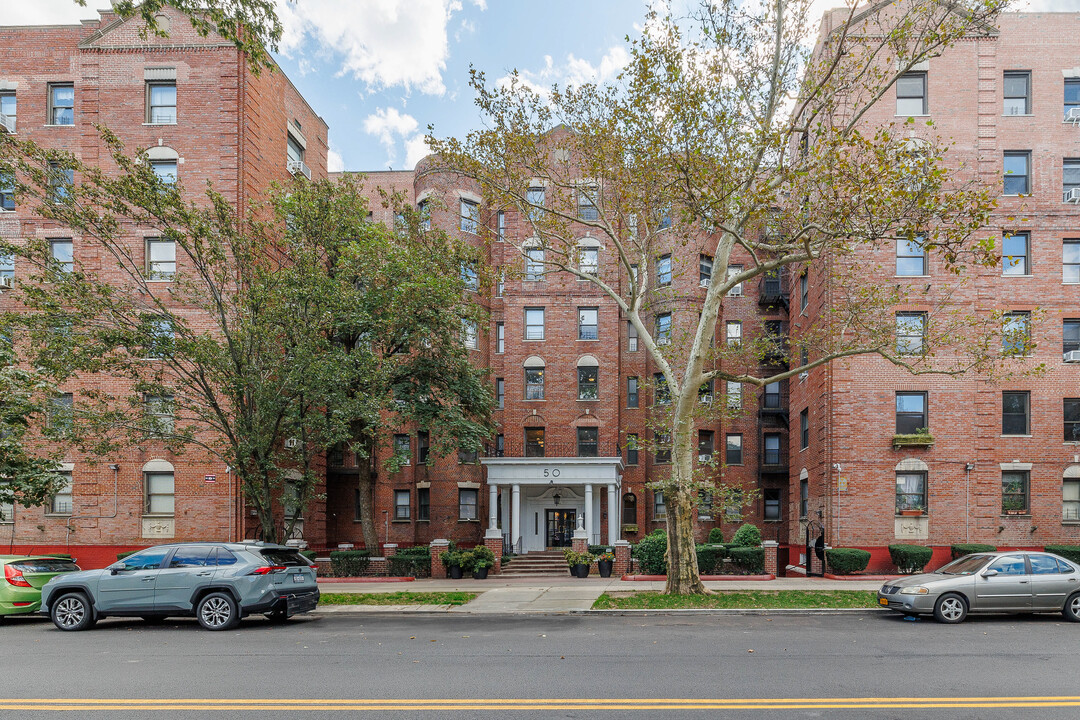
point(742, 599)
point(397, 598)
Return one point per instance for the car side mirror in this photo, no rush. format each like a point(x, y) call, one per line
point(115, 569)
point(990, 573)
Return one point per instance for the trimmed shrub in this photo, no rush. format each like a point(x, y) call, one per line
point(709, 558)
point(962, 549)
point(450, 558)
point(747, 536)
point(1069, 552)
point(600, 549)
point(410, 562)
point(847, 561)
point(650, 553)
point(910, 558)
point(121, 556)
point(482, 557)
point(716, 536)
point(309, 554)
point(349, 563)
point(748, 560)
point(62, 556)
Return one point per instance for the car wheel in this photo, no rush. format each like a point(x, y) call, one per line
point(950, 609)
point(1071, 611)
point(72, 612)
point(217, 611)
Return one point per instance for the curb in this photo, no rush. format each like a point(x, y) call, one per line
point(734, 611)
point(365, 580)
point(704, 578)
point(867, 578)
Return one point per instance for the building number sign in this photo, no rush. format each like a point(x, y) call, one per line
point(552, 472)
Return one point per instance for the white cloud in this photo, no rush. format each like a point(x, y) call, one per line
point(574, 71)
point(416, 149)
point(389, 126)
point(334, 161)
point(51, 12)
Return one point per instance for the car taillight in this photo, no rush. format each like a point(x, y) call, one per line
point(267, 569)
point(14, 576)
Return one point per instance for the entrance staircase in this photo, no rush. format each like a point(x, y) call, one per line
point(549, 562)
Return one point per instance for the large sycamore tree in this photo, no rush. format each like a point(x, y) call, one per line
point(731, 131)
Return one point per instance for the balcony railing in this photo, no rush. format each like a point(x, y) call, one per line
point(772, 290)
point(553, 449)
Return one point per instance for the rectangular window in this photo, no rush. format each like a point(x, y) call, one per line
point(586, 204)
point(470, 216)
point(1016, 333)
point(911, 94)
point(500, 445)
point(534, 442)
point(588, 324)
point(910, 257)
point(159, 414)
point(1017, 92)
point(911, 415)
point(632, 336)
point(732, 272)
point(467, 502)
point(704, 270)
point(804, 497)
point(659, 508)
point(1072, 98)
point(7, 192)
point(772, 504)
point(468, 276)
point(424, 211)
point(467, 457)
point(733, 330)
point(910, 333)
point(403, 448)
point(663, 447)
point(8, 108)
point(423, 504)
point(589, 260)
point(469, 335)
point(294, 151)
point(423, 444)
point(588, 442)
point(1017, 172)
point(804, 291)
point(61, 180)
point(535, 198)
point(663, 328)
point(1070, 499)
point(804, 428)
point(61, 104)
point(705, 445)
point(771, 449)
point(165, 171)
point(402, 505)
point(910, 491)
point(1070, 261)
point(61, 501)
point(161, 103)
point(733, 450)
point(631, 392)
point(7, 512)
point(63, 254)
point(733, 508)
point(1015, 413)
point(705, 392)
point(160, 494)
point(734, 395)
point(7, 266)
point(588, 383)
point(1070, 180)
point(500, 393)
point(160, 259)
point(1070, 334)
point(1071, 414)
point(705, 505)
point(772, 397)
point(1014, 492)
point(663, 270)
point(1016, 254)
point(61, 414)
point(500, 337)
point(631, 449)
point(500, 282)
point(534, 383)
point(534, 323)
point(663, 395)
point(500, 227)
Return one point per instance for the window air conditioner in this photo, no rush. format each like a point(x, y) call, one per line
point(7, 123)
point(735, 291)
point(1073, 356)
point(6, 283)
point(1073, 196)
point(292, 443)
point(704, 282)
point(706, 398)
point(299, 166)
point(704, 458)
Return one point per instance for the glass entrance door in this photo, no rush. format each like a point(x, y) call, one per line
point(560, 528)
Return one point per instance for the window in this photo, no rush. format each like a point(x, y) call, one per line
point(705, 445)
point(423, 445)
point(733, 508)
point(161, 103)
point(500, 228)
point(292, 500)
point(1070, 261)
point(659, 508)
point(423, 504)
point(500, 282)
point(662, 442)
point(534, 383)
point(632, 337)
point(772, 504)
point(1072, 97)
point(7, 192)
point(704, 270)
point(910, 333)
point(587, 324)
point(771, 445)
point(629, 509)
point(467, 457)
point(160, 338)
point(61, 180)
point(1014, 492)
point(1071, 413)
point(294, 151)
point(734, 395)
point(663, 328)
point(500, 393)
point(663, 270)
point(1070, 179)
point(534, 196)
point(734, 333)
point(733, 454)
point(1016, 254)
point(1018, 92)
point(7, 512)
point(631, 392)
point(159, 414)
point(424, 210)
point(7, 266)
point(1070, 499)
point(160, 259)
point(61, 501)
point(534, 323)
point(662, 393)
point(804, 291)
point(470, 216)
point(403, 448)
point(1016, 333)
point(534, 442)
point(63, 254)
point(910, 491)
point(911, 94)
point(160, 498)
point(804, 428)
point(469, 335)
point(61, 104)
point(705, 505)
point(911, 413)
point(1015, 413)
point(734, 271)
point(910, 257)
point(8, 108)
point(61, 413)
point(500, 337)
point(586, 204)
point(705, 392)
point(589, 260)
point(1070, 332)
point(804, 497)
point(588, 442)
point(468, 276)
point(534, 264)
point(588, 383)
point(1017, 165)
point(467, 501)
point(402, 505)
point(165, 170)
point(631, 449)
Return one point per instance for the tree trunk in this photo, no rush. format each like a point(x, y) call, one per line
point(683, 577)
point(367, 505)
point(265, 510)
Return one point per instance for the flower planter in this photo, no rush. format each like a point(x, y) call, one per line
point(454, 572)
point(911, 513)
point(480, 574)
point(581, 570)
point(914, 440)
point(604, 566)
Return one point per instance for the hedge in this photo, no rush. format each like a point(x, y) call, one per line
point(716, 536)
point(600, 549)
point(62, 556)
point(750, 560)
point(349, 563)
point(400, 565)
point(651, 553)
point(309, 554)
point(1069, 552)
point(747, 536)
point(847, 561)
point(910, 558)
point(709, 558)
point(962, 549)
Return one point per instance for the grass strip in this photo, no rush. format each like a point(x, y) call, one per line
point(741, 599)
point(397, 598)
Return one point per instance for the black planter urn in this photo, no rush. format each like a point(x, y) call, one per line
point(604, 566)
point(480, 574)
point(454, 572)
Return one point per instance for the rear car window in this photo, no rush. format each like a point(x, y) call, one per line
point(45, 565)
point(282, 557)
point(224, 557)
point(186, 557)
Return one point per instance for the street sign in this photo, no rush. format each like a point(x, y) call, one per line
point(210, 478)
point(843, 483)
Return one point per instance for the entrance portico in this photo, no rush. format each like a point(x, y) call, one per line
point(543, 497)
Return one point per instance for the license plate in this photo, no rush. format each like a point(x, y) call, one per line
point(298, 578)
point(883, 601)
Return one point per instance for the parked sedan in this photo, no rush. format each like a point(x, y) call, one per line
point(218, 583)
point(24, 576)
point(1000, 582)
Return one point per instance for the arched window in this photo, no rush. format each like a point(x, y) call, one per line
point(1070, 494)
point(629, 509)
point(588, 369)
point(165, 162)
point(159, 488)
point(534, 378)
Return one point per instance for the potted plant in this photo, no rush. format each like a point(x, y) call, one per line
point(604, 562)
point(581, 569)
point(451, 560)
point(571, 560)
point(483, 559)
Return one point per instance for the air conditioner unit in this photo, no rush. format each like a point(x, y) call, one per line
point(663, 341)
point(1073, 196)
point(1073, 116)
point(803, 375)
point(704, 458)
point(299, 166)
point(735, 291)
point(704, 282)
point(292, 443)
point(706, 398)
point(6, 283)
point(7, 123)
point(1073, 356)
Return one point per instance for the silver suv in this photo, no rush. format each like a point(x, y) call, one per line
point(218, 583)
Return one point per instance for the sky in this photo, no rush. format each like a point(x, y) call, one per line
point(381, 71)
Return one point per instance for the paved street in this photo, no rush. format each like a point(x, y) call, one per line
point(461, 666)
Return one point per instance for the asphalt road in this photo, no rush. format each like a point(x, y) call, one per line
point(849, 666)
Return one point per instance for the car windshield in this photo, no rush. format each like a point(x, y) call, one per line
point(965, 565)
point(45, 565)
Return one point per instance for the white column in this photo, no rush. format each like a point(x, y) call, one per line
point(493, 512)
point(588, 512)
point(613, 515)
point(515, 517)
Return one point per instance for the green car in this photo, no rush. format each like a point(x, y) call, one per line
point(20, 590)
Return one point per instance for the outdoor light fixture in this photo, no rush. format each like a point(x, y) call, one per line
point(556, 497)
